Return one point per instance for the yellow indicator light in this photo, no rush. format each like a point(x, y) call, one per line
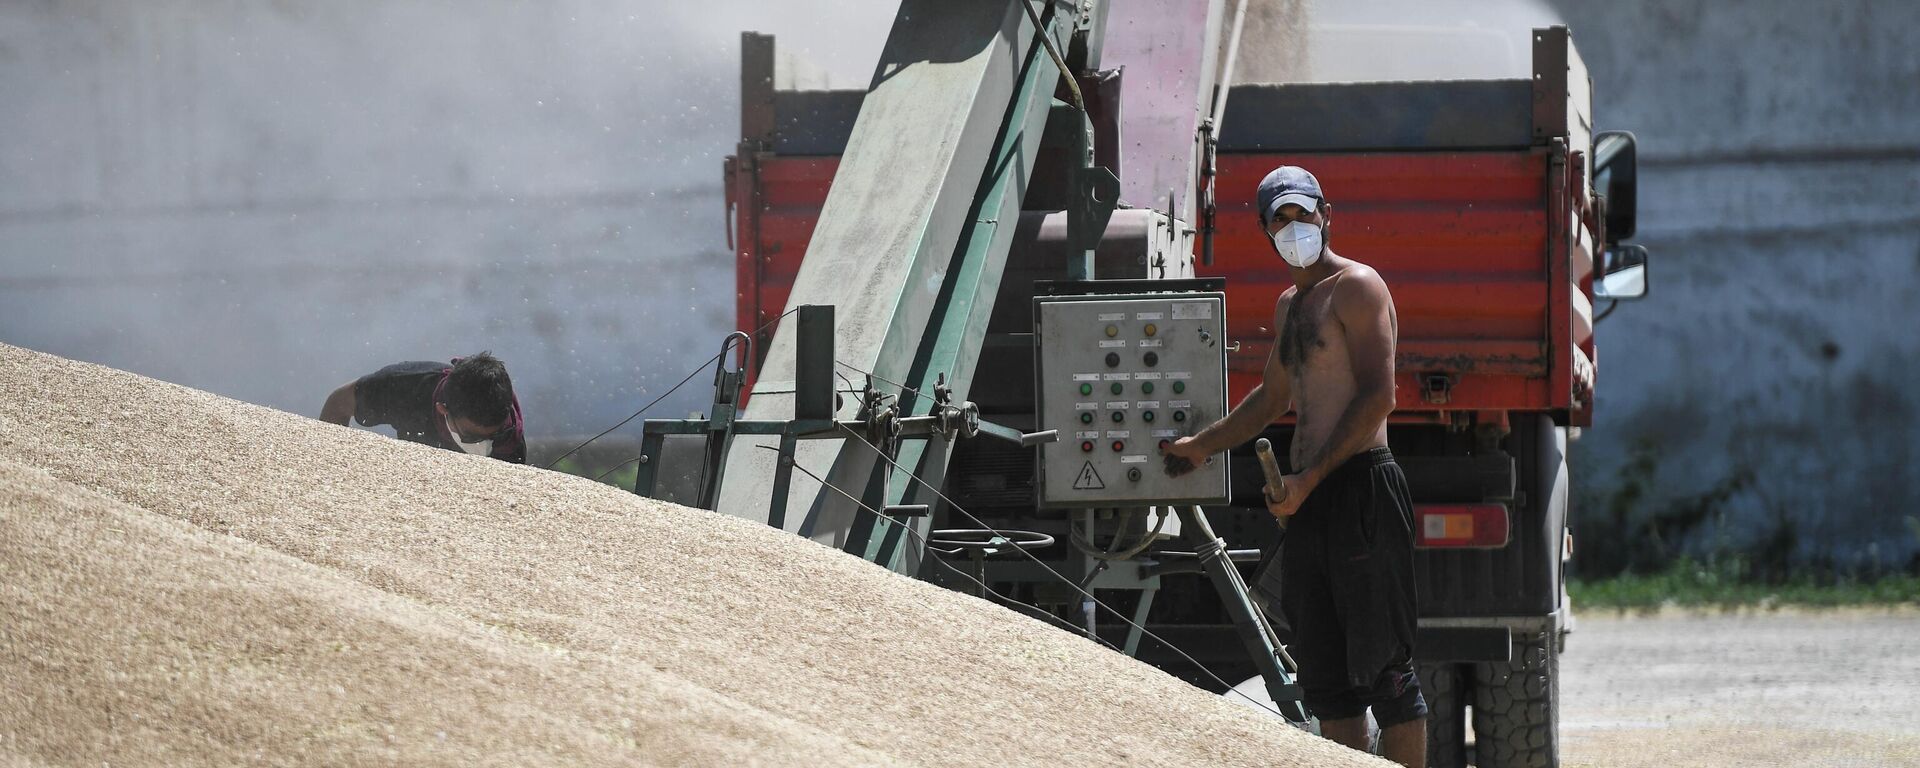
point(1112, 331)
point(1459, 526)
point(1449, 527)
point(1152, 329)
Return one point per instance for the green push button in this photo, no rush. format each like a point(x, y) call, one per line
point(1179, 386)
point(1148, 415)
point(1118, 387)
point(1086, 389)
point(1086, 417)
point(1147, 387)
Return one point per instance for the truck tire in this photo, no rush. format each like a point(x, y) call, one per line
point(1444, 686)
point(1516, 706)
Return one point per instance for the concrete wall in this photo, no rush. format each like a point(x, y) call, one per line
point(268, 199)
point(1775, 358)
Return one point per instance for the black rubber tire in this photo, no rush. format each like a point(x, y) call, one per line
point(1516, 706)
point(1445, 688)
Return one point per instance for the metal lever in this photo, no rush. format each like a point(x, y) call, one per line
point(1031, 439)
point(1022, 439)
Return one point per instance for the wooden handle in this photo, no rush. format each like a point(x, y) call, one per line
point(1269, 465)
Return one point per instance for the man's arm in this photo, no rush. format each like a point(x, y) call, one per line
point(1268, 401)
point(1365, 311)
point(340, 404)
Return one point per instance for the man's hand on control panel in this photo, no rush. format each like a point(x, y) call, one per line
point(1183, 455)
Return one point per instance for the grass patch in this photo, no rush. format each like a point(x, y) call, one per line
point(1691, 584)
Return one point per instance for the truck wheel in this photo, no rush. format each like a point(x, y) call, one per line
point(1444, 686)
point(1516, 706)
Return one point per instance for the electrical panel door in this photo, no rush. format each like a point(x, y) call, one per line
point(1121, 376)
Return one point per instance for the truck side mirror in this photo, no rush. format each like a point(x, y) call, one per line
point(1615, 177)
point(1623, 273)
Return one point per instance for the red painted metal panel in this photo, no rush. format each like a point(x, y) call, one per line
point(778, 203)
point(1461, 239)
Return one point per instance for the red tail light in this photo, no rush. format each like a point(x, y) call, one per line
point(1470, 526)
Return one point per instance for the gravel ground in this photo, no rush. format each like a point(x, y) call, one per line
point(186, 579)
point(1826, 688)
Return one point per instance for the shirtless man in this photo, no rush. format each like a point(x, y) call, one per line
point(1347, 559)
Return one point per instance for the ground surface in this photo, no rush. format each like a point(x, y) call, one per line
point(1825, 688)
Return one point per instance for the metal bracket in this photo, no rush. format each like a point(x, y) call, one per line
point(1096, 192)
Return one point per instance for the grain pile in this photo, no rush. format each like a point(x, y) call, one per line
point(185, 579)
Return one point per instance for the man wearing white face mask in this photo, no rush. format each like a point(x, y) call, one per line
point(467, 405)
point(1346, 563)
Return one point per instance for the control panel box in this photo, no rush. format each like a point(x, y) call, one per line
point(1120, 377)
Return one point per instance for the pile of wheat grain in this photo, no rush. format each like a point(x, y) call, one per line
point(189, 579)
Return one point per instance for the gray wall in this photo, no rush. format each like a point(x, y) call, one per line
point(1780, 196)
point(267, 199)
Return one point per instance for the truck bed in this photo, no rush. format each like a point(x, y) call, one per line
point(1452, 190)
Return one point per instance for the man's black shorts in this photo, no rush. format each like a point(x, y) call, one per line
point(1347, 592)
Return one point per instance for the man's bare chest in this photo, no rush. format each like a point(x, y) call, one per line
point(1310, 333)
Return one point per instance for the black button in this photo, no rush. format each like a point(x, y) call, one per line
point(1153, 359)
point(1133, 473)
point(1113, 359)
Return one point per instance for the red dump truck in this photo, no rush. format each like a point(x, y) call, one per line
point(1493, 212)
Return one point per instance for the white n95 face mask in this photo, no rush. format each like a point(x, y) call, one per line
point(1299, 243)
point(477, 448)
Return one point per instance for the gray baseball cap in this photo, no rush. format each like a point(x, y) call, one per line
point(1288, 184)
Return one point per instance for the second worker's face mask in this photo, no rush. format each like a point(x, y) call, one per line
point(477, 447)
point(1300, 244)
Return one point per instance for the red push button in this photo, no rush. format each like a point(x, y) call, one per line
point(1119, 445)
point(1086, 446)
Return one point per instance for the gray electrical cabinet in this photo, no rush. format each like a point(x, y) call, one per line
point(1120, 375)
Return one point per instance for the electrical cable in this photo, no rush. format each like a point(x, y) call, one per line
point(926, 544)
point(724, 348)
point(614, 468)
point(1040, 31)
point(1064, 580)
point(1611, 306)
point(881, 379)
point(1086, 546)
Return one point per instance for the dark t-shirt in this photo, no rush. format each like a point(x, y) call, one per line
point(403, 395)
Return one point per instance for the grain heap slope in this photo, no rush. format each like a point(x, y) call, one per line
point(131, 638)
point(495, 613)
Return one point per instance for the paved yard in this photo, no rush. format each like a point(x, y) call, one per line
point(1827, 688)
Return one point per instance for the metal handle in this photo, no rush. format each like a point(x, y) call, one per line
point(1270, 466)
point(1031, 439)
point(1022, 439)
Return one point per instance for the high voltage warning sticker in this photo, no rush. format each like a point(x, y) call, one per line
point(1088, 479)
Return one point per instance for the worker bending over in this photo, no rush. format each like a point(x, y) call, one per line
point(1346, 563)
point(466, 405)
